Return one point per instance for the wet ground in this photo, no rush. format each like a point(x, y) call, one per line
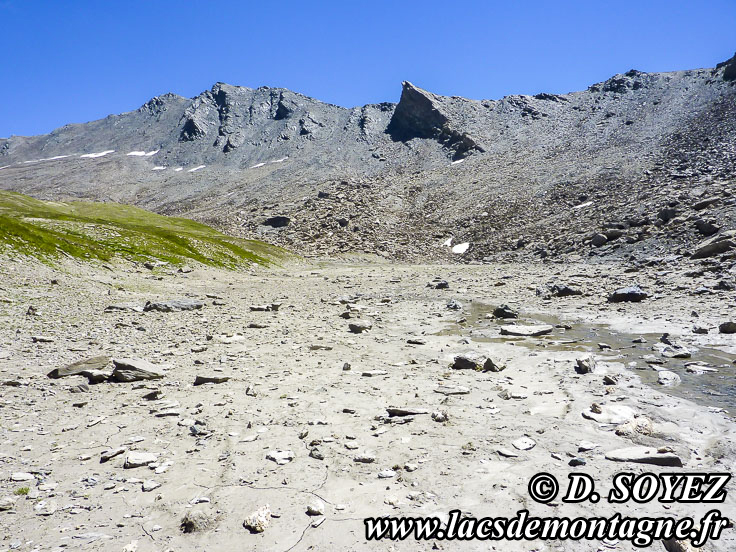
point(708, 376)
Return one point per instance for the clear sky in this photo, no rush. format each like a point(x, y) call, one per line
point(75, 61)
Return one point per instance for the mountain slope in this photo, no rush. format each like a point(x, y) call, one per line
point(521, 176)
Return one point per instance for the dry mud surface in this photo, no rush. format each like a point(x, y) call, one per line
point(288, 390)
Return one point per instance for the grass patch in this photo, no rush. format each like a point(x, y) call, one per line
point(23, 491)
point(103, 231)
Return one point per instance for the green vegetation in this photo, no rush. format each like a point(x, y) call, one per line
point(23, 491)
point(102, 231)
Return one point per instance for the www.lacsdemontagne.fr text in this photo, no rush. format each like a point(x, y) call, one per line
point(642, 531)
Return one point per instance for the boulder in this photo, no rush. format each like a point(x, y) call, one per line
point(504, 311)
point(727, 328)
point(632, 294)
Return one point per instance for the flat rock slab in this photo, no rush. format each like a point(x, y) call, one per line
point(139, 459)
point(374, 373)
point(201, 380)
point(405, 411)
point(127, 307)
point(132, 369)
point(644, 455)
point(526, 331)
point(80, 367)
point(173, 305)
point(452, 390)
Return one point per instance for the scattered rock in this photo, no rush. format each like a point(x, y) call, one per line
point(139, 459)
point(201, 380)
point(627, 294)
point(80, 367)
point(585, 365)
point(476, 361)
point(645, 455)
point(131, 369)
point(173, 305)
point(504, 311)
point(258, 521)
point(360, 326)
point(281, 457)
point(668, 378)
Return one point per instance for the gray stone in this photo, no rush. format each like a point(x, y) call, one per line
point(645, 455)
point(173, 305)
point(632, 294)
point(132, 369)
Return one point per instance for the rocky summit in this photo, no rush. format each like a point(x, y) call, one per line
point(639, 167)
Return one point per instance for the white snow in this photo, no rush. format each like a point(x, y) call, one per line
point(457, 162)
point(5, 167)
point(279, 160)
point(257, 165)
point(137, 153)
point(150, 153)
point(582, 205)
point(95, 155)
point(197, 168)
point(460, 248)
point(46, 159)
point(178, 169)
point(159, 168)
point(448, 243)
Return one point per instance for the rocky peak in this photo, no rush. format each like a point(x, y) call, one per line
point(421, 114)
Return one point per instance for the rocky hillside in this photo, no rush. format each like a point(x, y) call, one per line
point(640, 166)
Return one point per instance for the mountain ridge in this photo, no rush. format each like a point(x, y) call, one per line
point(415, 170)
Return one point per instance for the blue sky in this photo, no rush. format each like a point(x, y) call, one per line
point(75, 61)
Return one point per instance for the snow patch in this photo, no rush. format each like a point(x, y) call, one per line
point(279, 160)
point(457, 162)
point(5, 167)
point(448, 243)
point(178, 169)
point(158, 168)
point(136, 153)
point(95, 155)
point(197, 168)
point(46, 159)
point(257, 165)
point(150, 153)
point(460, 248)
point(583, 205)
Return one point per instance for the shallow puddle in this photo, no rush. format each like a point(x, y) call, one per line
point(715, 389)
